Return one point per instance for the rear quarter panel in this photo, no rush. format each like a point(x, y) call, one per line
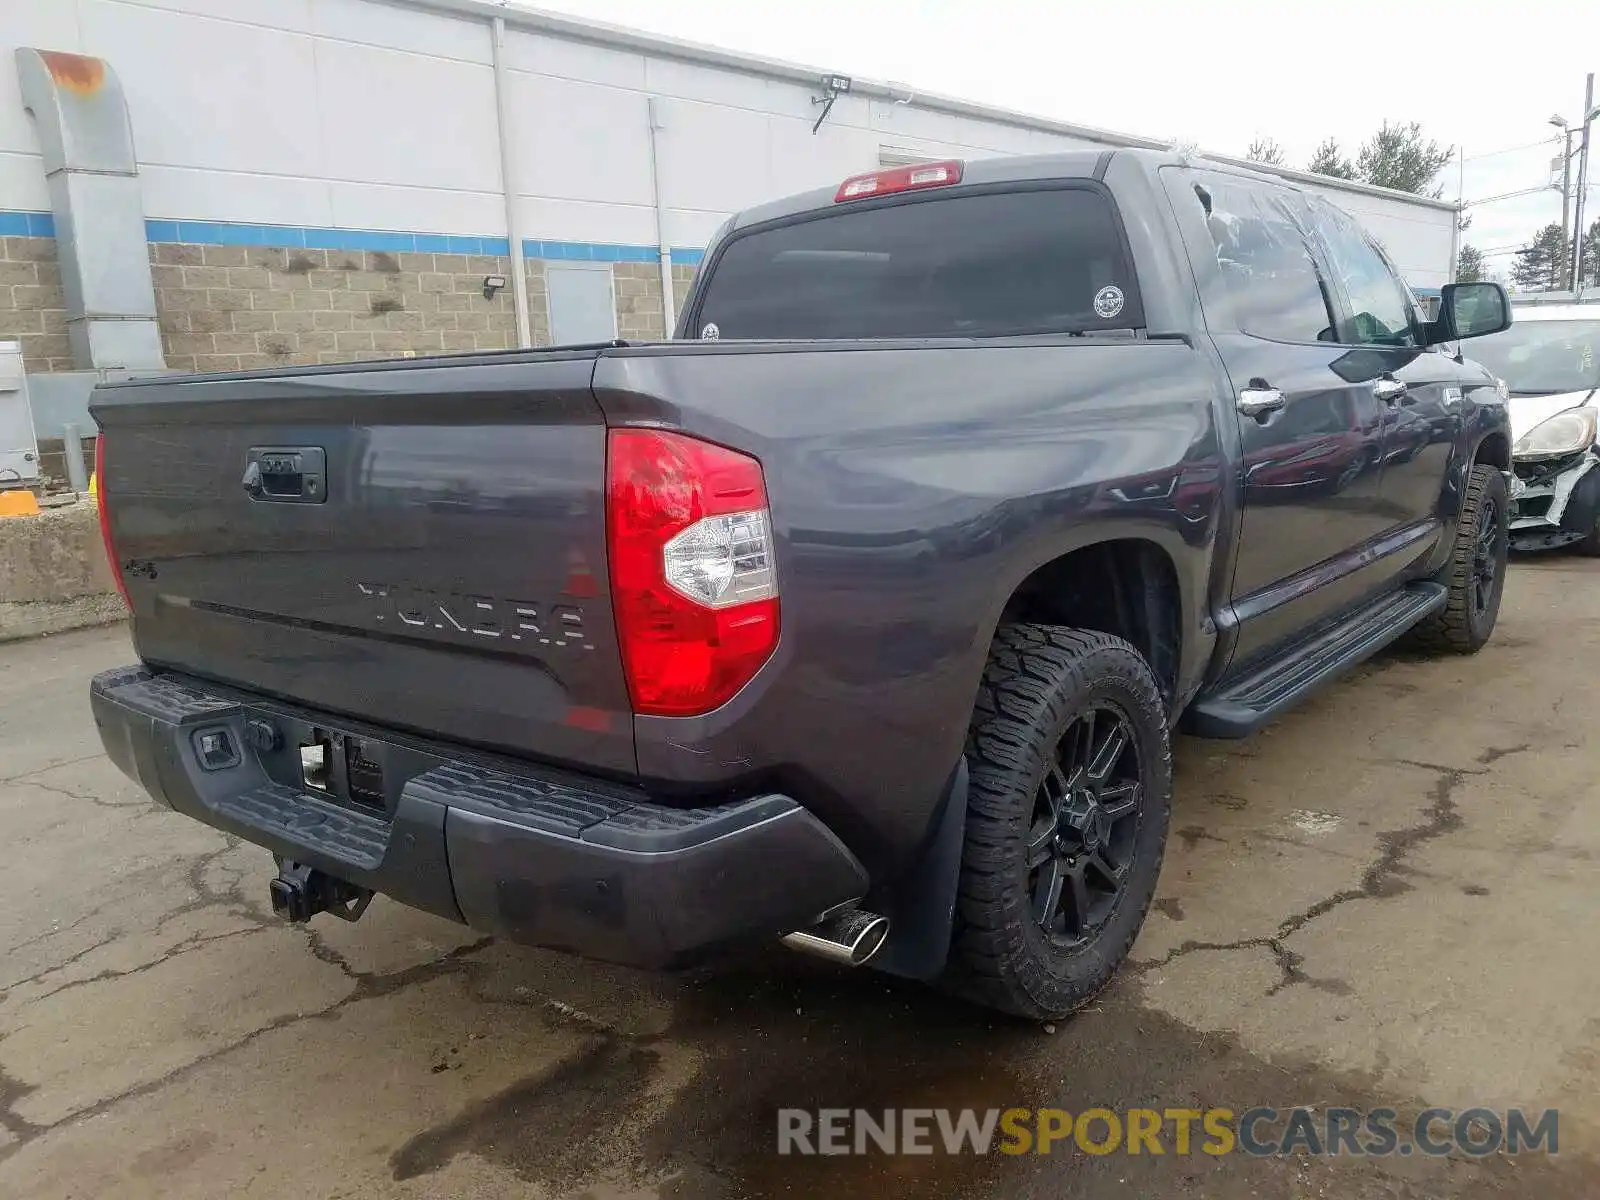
point(913, 487)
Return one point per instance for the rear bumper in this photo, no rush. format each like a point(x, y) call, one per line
point(544, 858)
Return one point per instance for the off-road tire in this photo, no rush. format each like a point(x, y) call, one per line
point(1462, 626)
point(1039, 680)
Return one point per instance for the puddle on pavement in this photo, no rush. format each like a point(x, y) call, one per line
point(766, 1035)
point(566, 1111)
point(621, 1118)
point(826, 1039)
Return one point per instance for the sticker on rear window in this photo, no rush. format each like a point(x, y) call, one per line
point(711, 333)
point(1108, 302)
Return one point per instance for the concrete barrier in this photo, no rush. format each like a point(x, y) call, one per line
point(53, 573)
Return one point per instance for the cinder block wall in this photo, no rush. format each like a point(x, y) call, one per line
point(682, 277)
point(33, 309)
point(638, 291)
point(230, 308)
point(637, 287)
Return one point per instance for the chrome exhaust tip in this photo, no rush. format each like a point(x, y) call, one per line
point(850, 937)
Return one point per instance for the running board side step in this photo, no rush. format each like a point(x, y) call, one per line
point(1241, 706)
point(849, 938)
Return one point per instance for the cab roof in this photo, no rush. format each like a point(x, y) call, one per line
point(1017, 168)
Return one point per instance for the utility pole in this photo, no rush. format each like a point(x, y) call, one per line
point(1566, 197)
point(1562, 263)
point(1589, 115)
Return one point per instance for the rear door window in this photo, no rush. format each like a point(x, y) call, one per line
point(1047, 260)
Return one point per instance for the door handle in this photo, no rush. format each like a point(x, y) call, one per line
point(1258, 401)
point(1388, 389)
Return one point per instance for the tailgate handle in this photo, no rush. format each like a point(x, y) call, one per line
point(286, 474)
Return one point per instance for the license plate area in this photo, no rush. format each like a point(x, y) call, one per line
point(342, 767)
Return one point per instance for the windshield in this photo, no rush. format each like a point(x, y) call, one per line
point(1543, 357)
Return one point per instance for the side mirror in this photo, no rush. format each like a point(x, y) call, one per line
point(1469, 310)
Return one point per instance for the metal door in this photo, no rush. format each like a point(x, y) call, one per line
point(582, 307)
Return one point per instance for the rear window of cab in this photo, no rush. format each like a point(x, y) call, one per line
point(987, 264)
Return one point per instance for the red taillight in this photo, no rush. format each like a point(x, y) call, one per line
point(899, 179)
point(692, 578)
point(105, 514)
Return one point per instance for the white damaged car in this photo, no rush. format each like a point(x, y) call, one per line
point(1550, 362)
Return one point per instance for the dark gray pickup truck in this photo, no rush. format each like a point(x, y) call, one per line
point(860, 616)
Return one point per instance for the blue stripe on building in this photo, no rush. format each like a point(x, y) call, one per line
point(234, 233)
point(27, 224)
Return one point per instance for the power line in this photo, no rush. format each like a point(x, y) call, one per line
point(1512, 149)
point(1533, 191)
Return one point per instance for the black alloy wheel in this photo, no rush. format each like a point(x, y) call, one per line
point(1486, 556)
point(1084, 827)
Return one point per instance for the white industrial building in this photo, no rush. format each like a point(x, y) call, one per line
point(370, 127)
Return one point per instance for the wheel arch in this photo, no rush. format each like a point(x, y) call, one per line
point(1128, 586)
point(1493, 449)
point(1145, 606)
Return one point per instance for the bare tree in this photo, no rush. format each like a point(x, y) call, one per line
point(1265, 150)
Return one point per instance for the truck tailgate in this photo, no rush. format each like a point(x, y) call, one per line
point(417, 545)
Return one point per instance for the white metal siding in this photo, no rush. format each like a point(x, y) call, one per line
point(1420, 240)
point(372, 115)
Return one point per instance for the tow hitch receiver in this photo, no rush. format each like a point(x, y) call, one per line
point(301, 892)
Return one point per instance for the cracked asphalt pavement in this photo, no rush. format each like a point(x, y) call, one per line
point(1386, 898)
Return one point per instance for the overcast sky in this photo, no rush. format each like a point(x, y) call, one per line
point(1216, 74)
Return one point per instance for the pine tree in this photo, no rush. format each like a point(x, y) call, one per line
point(1469, 265)
point(1330, 160)
point(1399, 157)
point(1591, 256)
point(1544, 262)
